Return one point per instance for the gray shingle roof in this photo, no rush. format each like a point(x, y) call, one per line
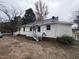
point(48, 21)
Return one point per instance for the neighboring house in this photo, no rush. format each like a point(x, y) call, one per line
point(76, 33)
point(76, 28)
point(51, 28)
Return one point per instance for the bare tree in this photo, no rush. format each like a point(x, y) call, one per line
point(13, 16)
point(41, 10)
point(10, 12)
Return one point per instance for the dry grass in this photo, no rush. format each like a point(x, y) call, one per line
point(25, 48)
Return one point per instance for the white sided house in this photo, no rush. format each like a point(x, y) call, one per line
point(51, 28)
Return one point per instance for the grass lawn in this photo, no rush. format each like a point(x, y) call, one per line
point(25, 48)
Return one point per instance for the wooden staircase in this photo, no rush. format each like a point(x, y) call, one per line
point(35, 37)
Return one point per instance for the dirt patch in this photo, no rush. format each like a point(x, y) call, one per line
point(33, 51)
point(22, 48)
point(4, 51)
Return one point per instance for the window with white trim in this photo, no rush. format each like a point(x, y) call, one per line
point(30, 28)
point(48, 27)
point(24, 29)
point(39, 29)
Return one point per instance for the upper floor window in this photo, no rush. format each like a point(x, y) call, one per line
point(48, 27)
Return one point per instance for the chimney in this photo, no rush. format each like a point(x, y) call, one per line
point(55, 18)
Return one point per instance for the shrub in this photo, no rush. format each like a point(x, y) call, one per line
point(66, 40)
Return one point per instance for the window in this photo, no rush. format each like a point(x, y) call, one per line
point(30, 28)
point(48, 27)
point(38, 28)
point(24, 29)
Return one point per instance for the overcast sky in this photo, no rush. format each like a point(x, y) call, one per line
point(61, 8)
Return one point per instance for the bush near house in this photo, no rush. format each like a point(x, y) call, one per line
point(68, 40)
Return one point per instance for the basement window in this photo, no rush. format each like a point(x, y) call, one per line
point(48, 27)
